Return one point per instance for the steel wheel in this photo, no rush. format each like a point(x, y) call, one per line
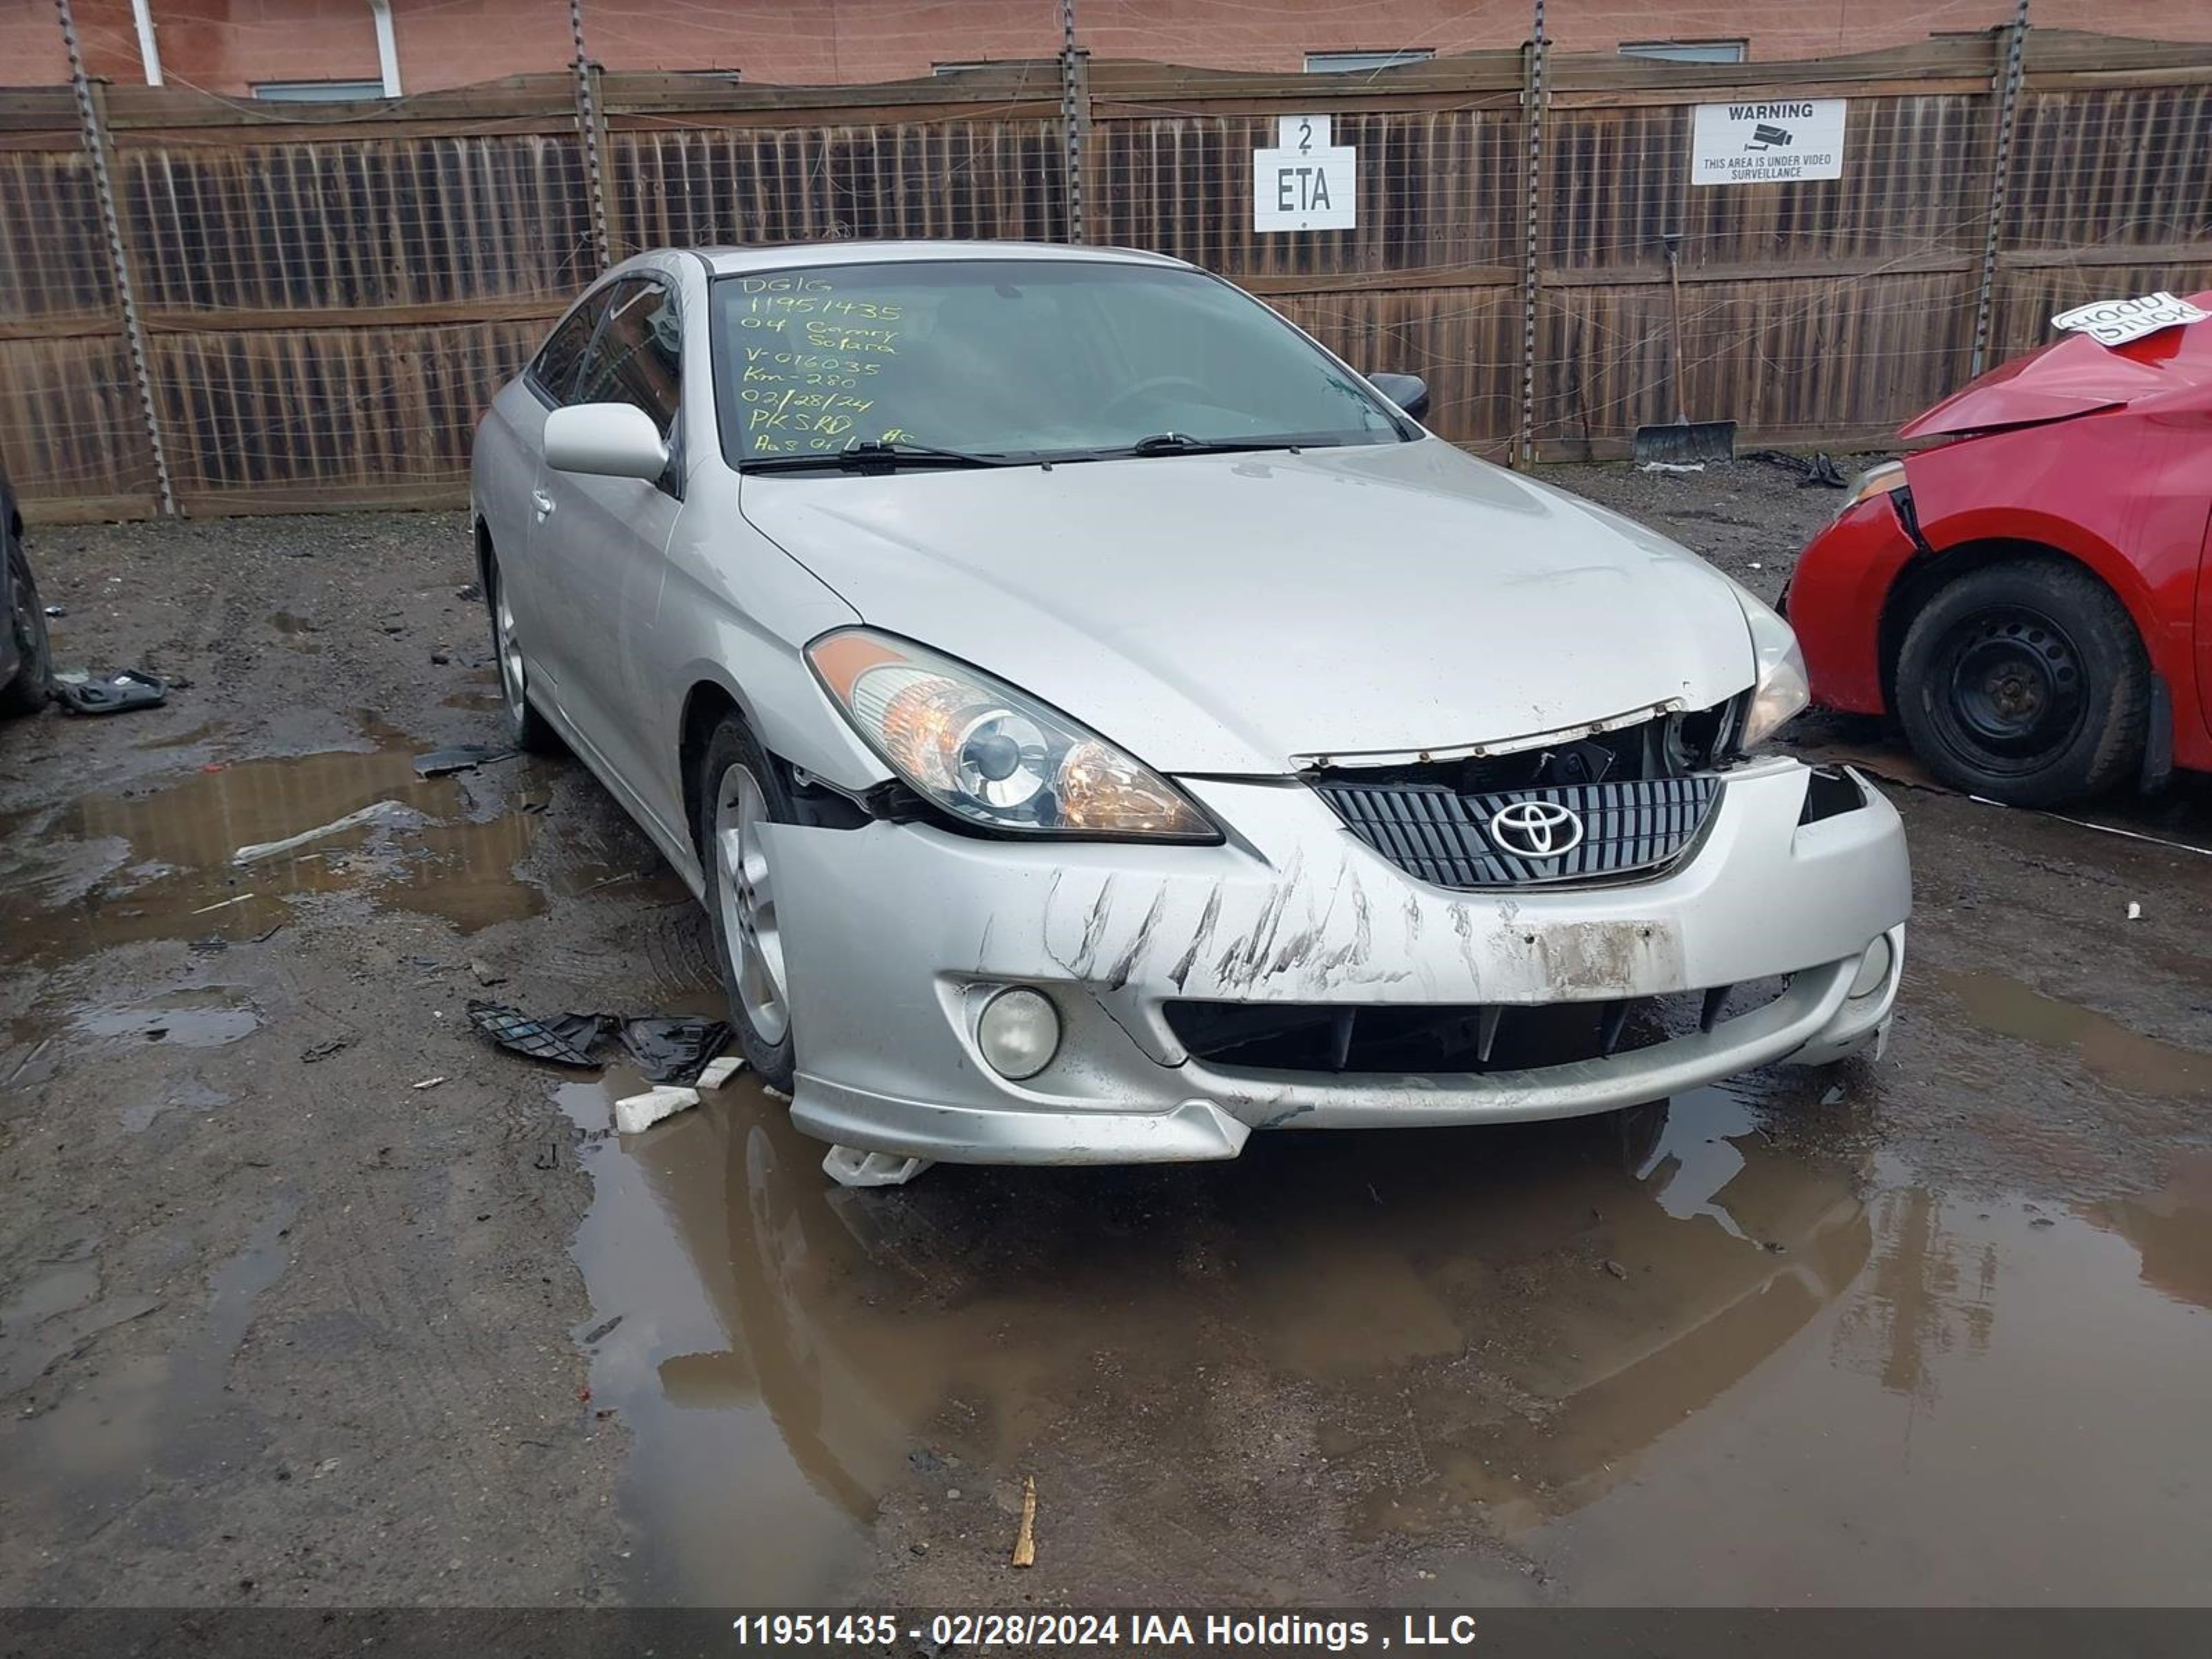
point(746, 892)
point(2015, 683)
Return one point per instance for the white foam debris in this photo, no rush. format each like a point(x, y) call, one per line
point(634, 1112)
point(390, 813)
point(720, 1071)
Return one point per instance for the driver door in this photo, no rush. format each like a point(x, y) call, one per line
point(609, 550)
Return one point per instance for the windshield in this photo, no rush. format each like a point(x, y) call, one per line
point(1039, 359)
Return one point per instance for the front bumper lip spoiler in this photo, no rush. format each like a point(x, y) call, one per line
point(1227, 1105)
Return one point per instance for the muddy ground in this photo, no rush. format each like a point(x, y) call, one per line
point(308, 1296)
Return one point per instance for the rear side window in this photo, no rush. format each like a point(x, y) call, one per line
point(553, 368)
point(636, 357)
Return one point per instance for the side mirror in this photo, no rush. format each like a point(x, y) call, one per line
point(1409, 392)
point(614, 440)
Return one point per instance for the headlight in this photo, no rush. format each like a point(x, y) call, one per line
point(991, 754)
point(1882, 479)
point(1780, 688)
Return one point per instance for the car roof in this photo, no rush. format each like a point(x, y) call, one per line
point(778, 256)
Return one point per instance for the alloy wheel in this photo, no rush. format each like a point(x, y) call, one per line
point(747, 893)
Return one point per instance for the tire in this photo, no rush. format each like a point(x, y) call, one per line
point(526, 729)
point(737, 790)
point(27, 693)
point(2026, 682)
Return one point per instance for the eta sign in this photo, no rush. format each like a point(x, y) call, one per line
point(1304, 182)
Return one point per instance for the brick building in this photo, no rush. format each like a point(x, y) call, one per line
point(366, 48)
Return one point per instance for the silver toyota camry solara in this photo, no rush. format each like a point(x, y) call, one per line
point(1100, 724)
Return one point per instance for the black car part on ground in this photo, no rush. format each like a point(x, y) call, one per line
point(111, 693)
point(665, 1050)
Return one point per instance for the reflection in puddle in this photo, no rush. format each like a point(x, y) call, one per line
point(2172, 1230)
point(786, 1349)
point(2121, 1056)
point(156, 864)
point(1526, 1332)
point(189, 1020)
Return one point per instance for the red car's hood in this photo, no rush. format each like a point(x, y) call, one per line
point(2075, 376)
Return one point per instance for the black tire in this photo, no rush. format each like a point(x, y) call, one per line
point(748, 938)
point(27, 693)
point(526, 729)
point(2026, 682)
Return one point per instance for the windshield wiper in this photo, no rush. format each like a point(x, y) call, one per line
point(876, 456)
point(1181, 443)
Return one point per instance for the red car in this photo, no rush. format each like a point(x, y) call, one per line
point(2033, 597)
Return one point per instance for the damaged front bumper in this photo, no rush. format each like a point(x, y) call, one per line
point(1206, 991)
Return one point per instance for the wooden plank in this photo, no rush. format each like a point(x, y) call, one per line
point(1382, 281)
point(447, 495)
point(172, 320)
point(87, 509)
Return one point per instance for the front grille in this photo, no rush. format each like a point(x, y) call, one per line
point(1434, 832)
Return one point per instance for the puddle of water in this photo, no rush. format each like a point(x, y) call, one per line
point(173, 878)
point(2117, 1053)
point(189, 1019)
point(1798, 1346)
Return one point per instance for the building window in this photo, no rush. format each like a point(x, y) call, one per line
point(1346, 63)
point(317, 92)
point(1688, 51)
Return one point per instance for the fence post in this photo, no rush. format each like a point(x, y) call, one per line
point(589, 133)
point(91, 114)
point(1536, 95)
point(2011, 41)
point(1074, 115)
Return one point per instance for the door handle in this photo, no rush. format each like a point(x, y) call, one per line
point(543, 504)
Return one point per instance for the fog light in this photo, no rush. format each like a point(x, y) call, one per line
point(1018, 1032)
point(1874, 969)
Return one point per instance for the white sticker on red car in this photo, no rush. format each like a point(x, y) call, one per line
point(2116, 322)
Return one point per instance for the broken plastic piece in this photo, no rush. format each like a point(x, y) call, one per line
point(439, 762)
point(568, 1041)
point(720, 1071)
point(635, 1113)
point(849, 1167)
point(382, 811)
point(673, 1050)
point(127, 688)
point(1025, 1535)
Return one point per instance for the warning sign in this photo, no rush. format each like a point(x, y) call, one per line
point(1766, 143)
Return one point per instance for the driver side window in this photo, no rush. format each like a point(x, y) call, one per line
point(553, 370)
point(638, 356)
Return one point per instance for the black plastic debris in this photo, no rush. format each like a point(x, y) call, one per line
point(127, 688)
point(568, 1041)
point(673, 1050)
point(439, 762)
point(664, 1050)
point(1823, 472)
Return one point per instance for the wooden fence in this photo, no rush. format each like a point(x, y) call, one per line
point(320, 298)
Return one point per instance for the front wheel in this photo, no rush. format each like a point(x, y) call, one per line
point(740, 793)
point(2026, 682)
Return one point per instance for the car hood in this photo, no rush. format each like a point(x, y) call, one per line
point(2075, 376)
point(1225, 613)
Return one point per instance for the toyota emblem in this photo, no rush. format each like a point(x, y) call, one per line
point(1537, 829)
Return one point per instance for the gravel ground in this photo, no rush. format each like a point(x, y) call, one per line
point(285, 1322)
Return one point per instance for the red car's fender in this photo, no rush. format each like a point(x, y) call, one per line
point(2123, 494)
